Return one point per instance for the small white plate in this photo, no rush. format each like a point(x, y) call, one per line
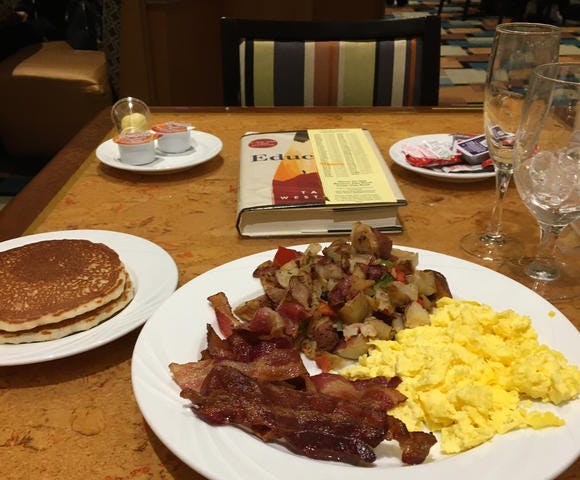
point(398, 157)
point(152, 271)
point(177, 333)
point(204, 147)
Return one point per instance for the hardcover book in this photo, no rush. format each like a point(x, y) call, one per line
point(314, 182)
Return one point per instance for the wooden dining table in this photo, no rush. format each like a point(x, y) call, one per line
point(77, 417)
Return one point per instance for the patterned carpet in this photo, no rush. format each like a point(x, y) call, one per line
point(465, 46)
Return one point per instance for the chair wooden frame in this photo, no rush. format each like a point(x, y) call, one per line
point(234, 31)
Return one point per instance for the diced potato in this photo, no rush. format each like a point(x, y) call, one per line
point(286, 272)
point(402, 293)
point(403, 256)
point(361, 284)
point(442, 287)
point(352, 348)
point(398, 322)
point(382, 303)
point(355, 310)
point(363, 239)
point(375, 328)
point(416, 315)
point(425, 281)
point(328, 361)
point(427, 303)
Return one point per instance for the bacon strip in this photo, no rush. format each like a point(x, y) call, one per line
point(255, 379)
point(224, 314)
point(312, 424)
point(378, 392)
point(275, 366)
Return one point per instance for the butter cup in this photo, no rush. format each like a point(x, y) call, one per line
point(174, 137)
point(136, 148)
point(130, 115)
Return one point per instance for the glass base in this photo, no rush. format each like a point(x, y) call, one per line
point(487, 247)
point(561, 284)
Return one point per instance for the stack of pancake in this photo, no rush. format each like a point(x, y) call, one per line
point(54, 288)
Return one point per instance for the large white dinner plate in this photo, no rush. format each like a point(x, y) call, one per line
point(176, 333)
point(204, 147)
point(396, 153)
point(152, 271)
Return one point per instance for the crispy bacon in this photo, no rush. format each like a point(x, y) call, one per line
point(246, 310)
point(415, 446)
point(266, 272)
point(265, 269)
point(241, 345)
point(338, 296)
point(379, 392)
point(275, 366)
point(225, 317)
point(255, 379)
point(316, 425)
point(374, 272)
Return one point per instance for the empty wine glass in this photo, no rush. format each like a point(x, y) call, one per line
point(547, 172)
point(517, 48)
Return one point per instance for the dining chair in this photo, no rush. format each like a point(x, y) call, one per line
point(331, 63)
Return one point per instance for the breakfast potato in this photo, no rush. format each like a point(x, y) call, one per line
point(416, 315)
point(425, 282)
point(402, 294)
point(348, 292)
point(355, 310)
point(352, 348)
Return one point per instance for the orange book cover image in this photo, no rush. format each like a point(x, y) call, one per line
point(281, 191)
point(296, 179)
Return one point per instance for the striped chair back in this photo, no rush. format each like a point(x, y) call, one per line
point(336, 73)
point(389, 70)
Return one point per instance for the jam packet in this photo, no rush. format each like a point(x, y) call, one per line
point(433, 153)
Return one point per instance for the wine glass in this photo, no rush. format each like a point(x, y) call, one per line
point(547, 172)
point(517, 48)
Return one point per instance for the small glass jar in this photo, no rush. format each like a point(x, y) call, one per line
point(130, 115)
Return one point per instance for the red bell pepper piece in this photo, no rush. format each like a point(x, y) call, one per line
point(285, 255)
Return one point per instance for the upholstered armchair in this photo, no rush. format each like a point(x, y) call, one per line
point(49, 91)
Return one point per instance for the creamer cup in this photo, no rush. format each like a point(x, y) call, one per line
point(175, 137)
point(136, 148)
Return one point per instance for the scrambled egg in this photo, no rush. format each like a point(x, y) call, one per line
point(471, 374)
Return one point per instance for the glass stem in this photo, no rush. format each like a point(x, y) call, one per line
point(502, 181)
point(544, 266)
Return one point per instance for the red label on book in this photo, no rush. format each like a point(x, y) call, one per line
point(263, 143)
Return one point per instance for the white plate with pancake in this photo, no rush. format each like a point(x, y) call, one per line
point(177, 333)
point(204, 147)
point(396, 153)
point(153, 273)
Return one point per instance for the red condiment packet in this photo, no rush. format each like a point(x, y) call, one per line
point(430, 154)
